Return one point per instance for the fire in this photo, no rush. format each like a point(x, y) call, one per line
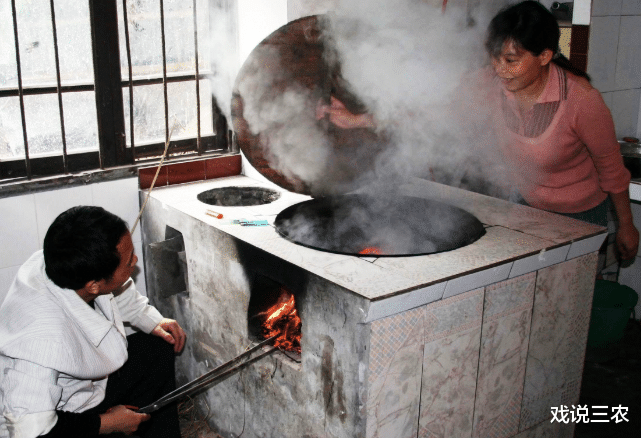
point(283, 318)
point(371, 250)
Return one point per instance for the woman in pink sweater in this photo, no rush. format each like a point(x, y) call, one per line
point(556, 131)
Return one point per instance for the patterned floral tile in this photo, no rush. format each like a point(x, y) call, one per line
point(504, 343)
point(450, 365)
point(560, 321)
point(396, 353)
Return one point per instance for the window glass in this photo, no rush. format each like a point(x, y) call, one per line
point(149, 114)
point(74, 41)
point(11, 140)
point(179, 36)
point(35, 37)
point(182, 109)
point(143, 20)
point(8, 72)
point(81, 126)
point(43, 125)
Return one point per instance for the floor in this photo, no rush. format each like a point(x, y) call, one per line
point(613, 383)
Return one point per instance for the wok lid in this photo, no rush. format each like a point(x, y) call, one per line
point(274, 113)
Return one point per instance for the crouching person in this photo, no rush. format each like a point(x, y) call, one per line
point(66, 367)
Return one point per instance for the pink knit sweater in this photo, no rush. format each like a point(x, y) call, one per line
point(563, 153)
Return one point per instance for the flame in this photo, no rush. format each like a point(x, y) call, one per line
point(283, 318)
point(371, 250)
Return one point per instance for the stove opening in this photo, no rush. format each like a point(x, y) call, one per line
point(272, 310)
point(238, 196)
point(169, 262)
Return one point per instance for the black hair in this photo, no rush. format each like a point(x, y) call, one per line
point(80, 246)
point(531, 26)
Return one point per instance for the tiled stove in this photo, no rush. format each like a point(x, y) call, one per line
point(476, 342)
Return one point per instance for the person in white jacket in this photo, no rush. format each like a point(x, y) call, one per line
point(67, 369)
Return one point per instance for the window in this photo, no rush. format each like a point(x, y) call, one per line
point(104, 83)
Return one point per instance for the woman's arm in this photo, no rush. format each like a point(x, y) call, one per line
point(627, 236)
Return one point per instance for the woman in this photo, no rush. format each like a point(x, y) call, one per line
point(557, 132)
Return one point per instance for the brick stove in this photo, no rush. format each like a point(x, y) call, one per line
point(464, 343)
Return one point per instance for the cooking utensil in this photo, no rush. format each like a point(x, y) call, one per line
point(212, 376)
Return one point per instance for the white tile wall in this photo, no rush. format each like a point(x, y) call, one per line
point(26, 218)
point(625, 111)
point(19, 235)
point(614, 60)
point(606, 7)
point(628, 68)
point(631, 7)
point(50, 204)
point(602, 52)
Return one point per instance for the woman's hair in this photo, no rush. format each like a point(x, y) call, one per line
point(531, 26)
point(81, 245)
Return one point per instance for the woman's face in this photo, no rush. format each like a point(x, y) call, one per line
point(519, 69)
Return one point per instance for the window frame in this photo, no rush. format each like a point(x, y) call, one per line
point(108, 87)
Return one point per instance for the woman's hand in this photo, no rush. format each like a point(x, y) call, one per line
point(172, 332)
point(121, 418)
point(340, 116)
point(627, 241)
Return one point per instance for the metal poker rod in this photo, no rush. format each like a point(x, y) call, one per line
point(217, 373)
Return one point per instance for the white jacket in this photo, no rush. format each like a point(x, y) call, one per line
point(56, 351)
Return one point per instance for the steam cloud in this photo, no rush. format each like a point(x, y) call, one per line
point(410, 64)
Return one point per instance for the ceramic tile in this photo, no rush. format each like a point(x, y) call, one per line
point(631, 7)
point(120, 198)
point(222, 167)
point(604, 41)
point(146, 177)
point(180, 173)
point(560, 320)
point(6, 278)
point(400, 303)
point(19, 230)
point(541, 260)
point(498, 246)
point(625, 109)
point(549, 430)
point(396, 353)
point(450, 365)
point(628, 66)
point(586, 246)
point(50, 204)
point(606, 7)
point(476, 280)
point(504, 344)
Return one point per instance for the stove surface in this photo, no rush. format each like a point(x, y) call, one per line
point(516, 237)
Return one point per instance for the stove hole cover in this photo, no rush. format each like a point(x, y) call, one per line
point(238, 196)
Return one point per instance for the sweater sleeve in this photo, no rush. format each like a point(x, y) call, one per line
point(594, 125)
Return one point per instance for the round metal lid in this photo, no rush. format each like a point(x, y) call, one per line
point(275, 103)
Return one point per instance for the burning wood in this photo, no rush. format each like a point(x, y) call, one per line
point(283, 318)
point(371, 250)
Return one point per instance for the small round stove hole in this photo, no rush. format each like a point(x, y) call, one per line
point(238, 196)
